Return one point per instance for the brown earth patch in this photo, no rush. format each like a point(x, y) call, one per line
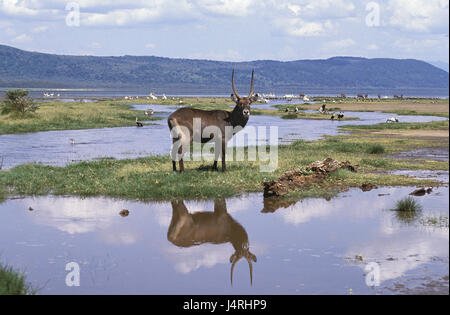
point(297, 179)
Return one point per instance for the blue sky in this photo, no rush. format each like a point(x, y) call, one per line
point(233, 30)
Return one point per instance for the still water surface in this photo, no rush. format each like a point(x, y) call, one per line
point(305, 247)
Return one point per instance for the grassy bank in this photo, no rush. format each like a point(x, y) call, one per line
point(407, 106)
point(434, 125)
point(57, 115)
point(13, 282)
point(152, 177)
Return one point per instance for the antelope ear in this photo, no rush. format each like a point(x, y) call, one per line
point(253, 257)
point(234, 98)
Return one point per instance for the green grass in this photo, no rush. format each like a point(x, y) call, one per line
point(434, 125)
point(407, 204)
point(13, 282)
point(407, 210)
point(57, 115)
point(416, 113)
point(376, 149)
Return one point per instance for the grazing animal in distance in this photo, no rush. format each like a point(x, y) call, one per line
point(218, 227)
point(296, 109)
point(286, 110)
point(332, 116)
point(359, 96)
point(340, 115)
point(138, 123)
point(182, 120)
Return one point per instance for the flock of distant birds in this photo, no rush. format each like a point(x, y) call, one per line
point(264, 99)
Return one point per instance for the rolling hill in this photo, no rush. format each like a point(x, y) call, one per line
point(19, 68)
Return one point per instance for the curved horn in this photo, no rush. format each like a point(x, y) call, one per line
point(232, 85)
point(232, 268)
point(250, 266)
point(252, 86)
point(235, 260)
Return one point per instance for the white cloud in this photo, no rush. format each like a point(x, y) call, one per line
point(95, 45)
point(415, 44)
point(299, 27)
point(228, 7)
point(150, 45)
point(340, 44)
point(23, 38)
point(40, 29)
point(419, 15)
point(16, 7)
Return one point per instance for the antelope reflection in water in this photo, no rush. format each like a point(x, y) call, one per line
point(216, 227)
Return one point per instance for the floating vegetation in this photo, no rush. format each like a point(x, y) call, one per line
point(435, 221)
point(408, 204)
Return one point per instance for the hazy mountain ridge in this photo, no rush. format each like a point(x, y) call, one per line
point(20, 68)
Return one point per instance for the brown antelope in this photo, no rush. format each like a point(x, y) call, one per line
point(183, 120)
point(359, 96)
point(216, 227)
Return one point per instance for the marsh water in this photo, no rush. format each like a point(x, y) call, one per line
point(312, 246)
point(56, 147)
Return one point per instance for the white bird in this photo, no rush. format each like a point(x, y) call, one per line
point(164, 97)
point(305, 98)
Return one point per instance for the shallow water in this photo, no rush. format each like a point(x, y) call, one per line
point(56, 148)
point(308, 247)
point(437, 154)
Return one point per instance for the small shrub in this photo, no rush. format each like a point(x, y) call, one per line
point(375, 149)
point(18, 101)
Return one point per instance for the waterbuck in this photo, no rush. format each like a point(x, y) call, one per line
point(211, 125)
point(216, 227)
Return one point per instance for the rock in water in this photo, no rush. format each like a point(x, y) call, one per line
point(124, 213)
point(368, 187)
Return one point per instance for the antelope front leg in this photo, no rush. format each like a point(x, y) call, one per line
point(224, 167)
point(180, 151)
